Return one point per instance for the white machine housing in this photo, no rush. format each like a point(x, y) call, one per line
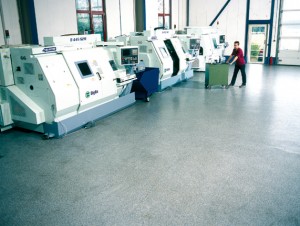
point(153, 53)
point(192, 47)
point(212, 41)
point(52, 85)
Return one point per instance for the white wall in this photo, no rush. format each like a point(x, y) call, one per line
point(127, 16)
point(115, 9)
point(260, 9)
point(179, 14)
point(151, 14)
point(11, 20)
point(55, 18)
point(233, 19)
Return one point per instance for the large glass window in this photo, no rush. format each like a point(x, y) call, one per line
point(90, 17)
point(164, 13)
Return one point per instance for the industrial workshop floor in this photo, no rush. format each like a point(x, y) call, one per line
point(188, 157)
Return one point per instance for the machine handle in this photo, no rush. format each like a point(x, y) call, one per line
point(99, 76)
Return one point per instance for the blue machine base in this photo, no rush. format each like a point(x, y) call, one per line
point(169, 82)
point(59, 129)
point(175, 79)
point(188, 74)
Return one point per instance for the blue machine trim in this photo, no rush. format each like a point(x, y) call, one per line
point(258, 21)
point(169, 82)
point(247, 30)
point(217, 16)
point(144, 13)
point(33, 25)
point(175, 79)
point(188, 13)
point(188, 74)
point(59, 129)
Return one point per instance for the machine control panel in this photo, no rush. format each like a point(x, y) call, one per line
point(129, 55)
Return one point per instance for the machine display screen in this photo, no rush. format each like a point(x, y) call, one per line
point(194, 43)
point(84, 69)
point(163, 52)
point(126, 52)
point(129, 56)
point(222, 39)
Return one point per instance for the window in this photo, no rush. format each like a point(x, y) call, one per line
point(91, 17)
point(164, 13)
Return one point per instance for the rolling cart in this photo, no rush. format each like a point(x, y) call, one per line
point(216, 75)
point(146, 83)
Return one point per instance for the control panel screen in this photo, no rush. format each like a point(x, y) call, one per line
point(222, 39)
point(194, 43)
point(129, 56)
point(84, 69)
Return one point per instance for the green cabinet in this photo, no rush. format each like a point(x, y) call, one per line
point(216, 74)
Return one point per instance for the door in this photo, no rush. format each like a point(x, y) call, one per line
point(288, 51)
point(257, 43)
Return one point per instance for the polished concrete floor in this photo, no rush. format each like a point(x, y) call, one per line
point(188, 157)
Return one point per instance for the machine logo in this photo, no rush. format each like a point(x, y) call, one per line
point(78, 39)
point(91, 93)
point(49, 49)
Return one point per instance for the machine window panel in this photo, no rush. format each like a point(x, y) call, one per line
point(97, 5)
point(163, 52)
point(113, 65)
point(83, 23)
point(215, 43)
point(84, 69)
point(82, 5)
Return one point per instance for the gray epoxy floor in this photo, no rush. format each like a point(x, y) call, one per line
point(189, 157)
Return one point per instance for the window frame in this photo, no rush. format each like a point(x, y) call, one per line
point(163, 15)
point(91, 13)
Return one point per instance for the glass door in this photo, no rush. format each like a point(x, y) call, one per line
point(257, 43)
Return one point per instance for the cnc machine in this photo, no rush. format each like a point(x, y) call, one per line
point(57, 89)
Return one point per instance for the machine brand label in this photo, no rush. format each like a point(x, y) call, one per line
point(91, 93)
point(78, 39)
point(49, 49)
